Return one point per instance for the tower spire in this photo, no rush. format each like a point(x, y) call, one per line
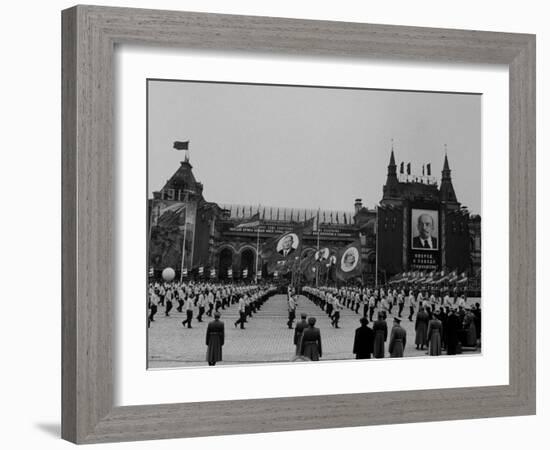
point(446, 191)
point(390, 188)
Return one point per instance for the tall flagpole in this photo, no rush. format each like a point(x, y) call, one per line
point(184, 237)
point(257, 250)
point(376, 270)
point(318, 248)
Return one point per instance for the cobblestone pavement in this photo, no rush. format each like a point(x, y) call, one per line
point(265, 339)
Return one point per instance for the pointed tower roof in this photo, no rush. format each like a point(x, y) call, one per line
point(392, 158)
point(447, 191)
point(183, 178)
point(390, 189)
point(446, 164)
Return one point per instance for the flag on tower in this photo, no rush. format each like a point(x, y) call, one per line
point(181, 145)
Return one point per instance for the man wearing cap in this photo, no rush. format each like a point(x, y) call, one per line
point(298, 331)
point(398, 339)
point(215, 336)
point(380, 329)
point(421, 329)
point(310, 346)
point(435, 327)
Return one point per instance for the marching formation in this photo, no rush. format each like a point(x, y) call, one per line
point(441, 323)
point(438, 321)
point(207, 299)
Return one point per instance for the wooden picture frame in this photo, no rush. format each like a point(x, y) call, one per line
point(89, 37)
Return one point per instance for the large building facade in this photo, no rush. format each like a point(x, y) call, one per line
point(202, 238)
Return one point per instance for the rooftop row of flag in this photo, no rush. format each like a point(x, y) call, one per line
point(433, 277)
point(288, 214)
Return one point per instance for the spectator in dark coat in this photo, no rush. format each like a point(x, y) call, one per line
point(451, 332)
point(310, 346)
point(421, 328)
point(398, 339)
point(215, 336)
point(470, 334)
point(380, 329)
point(363, 344)
point(298, 331)
point(435, 328)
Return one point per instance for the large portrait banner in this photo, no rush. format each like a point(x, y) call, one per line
point(425, 239)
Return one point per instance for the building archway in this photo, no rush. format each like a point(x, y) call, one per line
point(248, 260)
point(225, 262)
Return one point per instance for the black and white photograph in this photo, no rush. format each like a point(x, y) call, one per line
point(296, 224)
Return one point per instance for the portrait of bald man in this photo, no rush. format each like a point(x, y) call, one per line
point(287, 244)
point(426, 228)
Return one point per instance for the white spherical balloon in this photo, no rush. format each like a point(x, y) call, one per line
point(168, 274)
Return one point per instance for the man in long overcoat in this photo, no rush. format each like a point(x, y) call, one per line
point(398, 339)
point(435, 328)
point(451, 331)
point(363, 344)
point(310, 346)
point(215, 337)
point(380, 329)
point(421, 328)
point(298, 331)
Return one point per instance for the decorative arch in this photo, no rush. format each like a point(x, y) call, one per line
point(226, 254)
point(248, 260)
point(247, 247)
point(226, 246)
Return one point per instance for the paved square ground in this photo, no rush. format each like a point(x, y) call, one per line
point(265, 339)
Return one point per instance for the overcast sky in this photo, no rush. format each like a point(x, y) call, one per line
point(306, 147)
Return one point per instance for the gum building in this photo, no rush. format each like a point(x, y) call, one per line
point(199, 237)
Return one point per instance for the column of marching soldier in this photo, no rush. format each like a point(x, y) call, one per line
point(208, 299)
point(441, 323)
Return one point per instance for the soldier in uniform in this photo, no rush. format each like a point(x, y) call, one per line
point(398, 339)
point(299, 330)
point(215, 337)
point(311, 347)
